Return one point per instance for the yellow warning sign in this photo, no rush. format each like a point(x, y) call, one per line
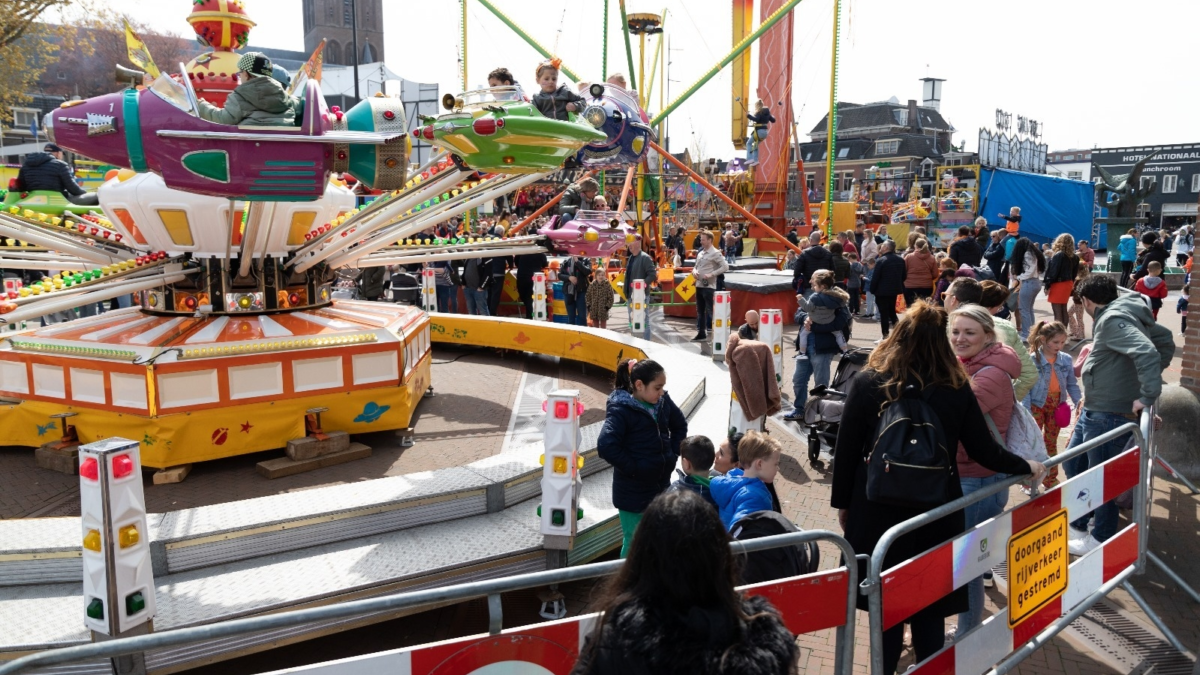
point(687, 288)
point(617, 282)
point(1037, 567)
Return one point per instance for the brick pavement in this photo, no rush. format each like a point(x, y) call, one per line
point(466, 421)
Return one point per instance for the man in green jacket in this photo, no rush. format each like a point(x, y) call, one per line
point(259, 99)
point(1129, 347)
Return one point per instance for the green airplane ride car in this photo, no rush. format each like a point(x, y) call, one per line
point(497, 131)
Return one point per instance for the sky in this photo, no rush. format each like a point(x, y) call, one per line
point(1094, 73)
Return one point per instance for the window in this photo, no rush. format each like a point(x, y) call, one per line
point(1146, 181)
point(62, 74)
point(847, 178)
point(886, 147)
point(810, 181)
point(1075, 175)
point(1170, 184)
point(1196, 182)
point(843, 153)
point(347, 13)
point(23, 117)
point(1068, 158)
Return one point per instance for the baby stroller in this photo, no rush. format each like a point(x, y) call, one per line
point(823, 409)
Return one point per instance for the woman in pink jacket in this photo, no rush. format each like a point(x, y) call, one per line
point(992, 366)
point(922, 272)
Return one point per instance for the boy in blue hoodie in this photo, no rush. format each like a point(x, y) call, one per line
point(696, 454)
point(744, 491)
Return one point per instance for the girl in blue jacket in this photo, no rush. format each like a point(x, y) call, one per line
point(1056, 383)
point(640, 438)
point(1127, 249)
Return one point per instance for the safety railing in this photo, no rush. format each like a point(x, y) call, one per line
point(807, 603)
point(1046, 591)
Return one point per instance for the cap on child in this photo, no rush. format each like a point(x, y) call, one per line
point(256, 63)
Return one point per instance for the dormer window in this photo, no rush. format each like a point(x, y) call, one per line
point(887, 147)
point(901, 115)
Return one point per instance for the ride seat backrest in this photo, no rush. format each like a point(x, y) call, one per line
point(314, 105)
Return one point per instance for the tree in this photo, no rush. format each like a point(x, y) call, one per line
point(88, 63)
point(27, 45)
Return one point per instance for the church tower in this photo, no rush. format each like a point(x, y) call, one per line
point(332, 20)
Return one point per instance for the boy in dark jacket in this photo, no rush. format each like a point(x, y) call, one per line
point(696, 454)
point(47, 171)
point(554, 101)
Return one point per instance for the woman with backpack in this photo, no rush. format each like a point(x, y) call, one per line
point(992, 367)
point(912, 371)
point(667, 613)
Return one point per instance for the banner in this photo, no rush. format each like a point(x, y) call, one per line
point(311, 70)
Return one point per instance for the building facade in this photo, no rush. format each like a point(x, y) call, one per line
point(1070, 164)
point(1175, 170)
point(333, 20)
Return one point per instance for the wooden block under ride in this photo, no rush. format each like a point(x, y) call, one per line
point(64, 460)
point(284, 466)
point(172, 474)
point(308, 447)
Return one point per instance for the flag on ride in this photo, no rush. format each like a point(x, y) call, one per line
point(311, 70)
point(139, 54)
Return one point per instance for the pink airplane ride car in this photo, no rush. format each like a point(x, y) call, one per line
point(591, 234)
point(158, 129)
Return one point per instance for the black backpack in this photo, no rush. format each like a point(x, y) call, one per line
point(774, 563)
point(910, 465)
point(983, 273)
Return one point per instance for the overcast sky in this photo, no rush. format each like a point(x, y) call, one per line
point(1093, 72)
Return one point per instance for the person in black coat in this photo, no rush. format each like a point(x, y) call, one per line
point(1155, 252)
point(528, 265)
point(642, 431)
point(918, 351)
point(47, 171)
point(965, 250)
point(994, 255)
point(887, 282)
point(815, 257)
point(673, 609)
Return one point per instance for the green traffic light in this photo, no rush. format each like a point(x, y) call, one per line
point(134, 603)
point(95, 609)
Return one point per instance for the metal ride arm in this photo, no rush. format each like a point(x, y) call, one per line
point(15, 229)
point(462, 254)
point(721, 195)
point(59, 302)
point(527, 38)
point(447, 594)
point(370, 209)
point(466, 201)
point(311, 254)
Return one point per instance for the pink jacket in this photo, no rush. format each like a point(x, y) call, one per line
point(993, 388)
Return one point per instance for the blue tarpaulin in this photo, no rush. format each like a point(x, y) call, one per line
point(1050, 205)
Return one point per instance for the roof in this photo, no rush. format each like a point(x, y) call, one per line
point(862, 116)
point(911, 145)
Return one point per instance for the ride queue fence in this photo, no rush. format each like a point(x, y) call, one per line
point(1038, 529)
point(807, 603)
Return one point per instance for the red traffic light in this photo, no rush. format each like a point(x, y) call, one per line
point(122, 466)
point(89, 469)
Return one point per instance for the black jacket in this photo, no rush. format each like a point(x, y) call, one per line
point(841, 269)
point(581, 269)
point(690, 484)
point(1155, 252)
point(645, 637)
point(1061, 267)
point(813, 259)
point(41, 171)
point(966, 251)
point(572, 201)
point(528, 265)
point(962, 421)
point(890, 273)
point(641, 447)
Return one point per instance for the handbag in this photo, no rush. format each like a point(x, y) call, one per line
point(1062, 415)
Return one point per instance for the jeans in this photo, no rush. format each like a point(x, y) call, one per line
point(477, 301)
point(88, 309)
point(976, 514)
point(1090, 425)
point(887, 312)
point(447, 299)
point(869, 309)
point(855, 296)
point(1126, 272)
point(815, 366)
point(124, 301)
point(576, 309)
point(704, 309)
point(495, 292)
point(1028, 293)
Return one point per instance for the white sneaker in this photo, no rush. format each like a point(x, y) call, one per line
point(951, 633)
point(1073, 534)
point(879, 341)
point(1082, 546)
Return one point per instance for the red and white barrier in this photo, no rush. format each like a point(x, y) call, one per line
point(807, 603)
point(917, 583)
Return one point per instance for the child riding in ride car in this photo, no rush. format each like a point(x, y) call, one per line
point(554, 101)
point(259, 99)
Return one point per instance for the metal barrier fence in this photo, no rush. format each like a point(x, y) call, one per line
point(1000, 643)
point(797, 612)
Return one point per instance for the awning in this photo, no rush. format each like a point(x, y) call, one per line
point(1179, 210)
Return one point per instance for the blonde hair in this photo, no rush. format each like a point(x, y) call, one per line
point(756, 445)
point(822, 278)
point(977, 313)
point(917, 351)
point(1065, 243)
point(1042, 332)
